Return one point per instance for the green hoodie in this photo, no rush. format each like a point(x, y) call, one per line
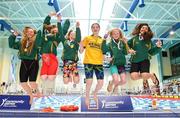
point(50, 42)
point(117, 51)
point(33, 55)
point(70, 48)
point(144, 49)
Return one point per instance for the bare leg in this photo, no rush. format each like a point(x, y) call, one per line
point(135, 76)
point(113, 82)
point(88, 88)
point(99, 85)
point(34, 86)
point(51, 77)
point(123, 79)
point(115, 90)
point(156, 83)
point(44, 84)
point(154, 79)
point(28, 90)
point(76, 79)
point(44, 77)
point(51, 84)
point(145, 77)
point(66, 80)
point(121, 82)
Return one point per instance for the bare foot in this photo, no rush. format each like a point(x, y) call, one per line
point(95, 97)
point(146, 87)
point(39, 95)
point(155, 80)
point(36, 93)
point(30, 99)
point(110, 86)
point(115, 90)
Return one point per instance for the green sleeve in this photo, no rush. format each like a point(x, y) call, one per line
point(154, 49)
point(130, 43)
point(60, 36)
point(78, 35)
point(12, 43)
point(46, 22)
point(125, 49)
point(104, 47)
point(66, 26)
point(38, 42)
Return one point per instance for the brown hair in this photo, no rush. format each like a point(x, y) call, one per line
point(95, 24)
point(147, 35)
point(53, 26)
point(25, 39)
point(49, 28)
point(68, 34)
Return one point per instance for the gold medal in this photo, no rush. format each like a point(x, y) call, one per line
point(46, 38)
point(25, 50)
point(72, 46)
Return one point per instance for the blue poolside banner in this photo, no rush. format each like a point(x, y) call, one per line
point(14, 102)
point(108, 104)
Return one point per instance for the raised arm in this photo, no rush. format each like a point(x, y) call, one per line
point(47, 23)
point(60, 35)
point(83, 45)
point(12, 43)
point(66, 26)
point(38, 42)
point(78, 33)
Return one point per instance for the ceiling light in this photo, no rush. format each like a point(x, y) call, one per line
point(171, 32)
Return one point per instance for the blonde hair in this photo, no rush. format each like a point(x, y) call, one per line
point(121, 36)
point(25, 39)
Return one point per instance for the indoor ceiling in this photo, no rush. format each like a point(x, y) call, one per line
point(162, 15)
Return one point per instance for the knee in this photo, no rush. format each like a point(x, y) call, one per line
point(52, 77)
point(123, 81)
point(66, 80)
point(100, 82)
point(76, 80)
point(134, 76)
point(44, 77)
point(116, 81)
point(144, 75)
point(24, 83)
point(33, 84)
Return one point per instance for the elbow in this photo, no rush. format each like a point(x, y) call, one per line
point(10, 45)
point(81, 50)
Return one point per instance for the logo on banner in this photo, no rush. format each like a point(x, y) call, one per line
point(10, 103)
point(113, 104)
point(108, 104)
point(14, 102)
point(3, 101)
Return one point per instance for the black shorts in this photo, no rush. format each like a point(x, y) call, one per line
point(141, 67)
point(29, 70)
